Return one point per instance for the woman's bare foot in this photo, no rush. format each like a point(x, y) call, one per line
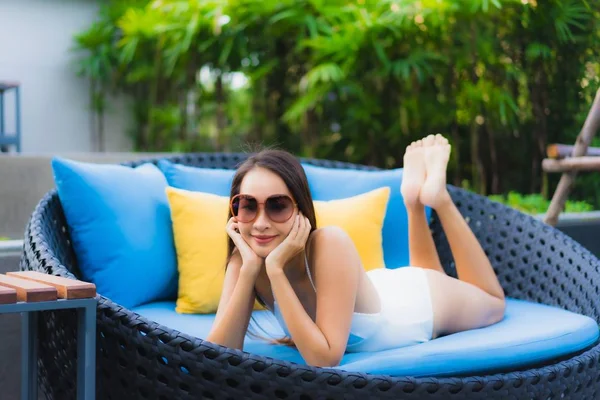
point(413, 174)
point(436, 151)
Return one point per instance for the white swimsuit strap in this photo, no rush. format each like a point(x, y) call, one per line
point(308, 272)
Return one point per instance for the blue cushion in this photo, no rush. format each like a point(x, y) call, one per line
point(209, 180)
point(120, 226)
point(331, 184)
point(530, 333)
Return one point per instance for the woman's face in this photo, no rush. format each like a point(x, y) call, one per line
point(263, 234)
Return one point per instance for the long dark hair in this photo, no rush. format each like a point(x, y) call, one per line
point(289, 169)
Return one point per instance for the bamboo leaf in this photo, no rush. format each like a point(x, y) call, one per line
point(381, 54)
point(311, 25)
point(227, 47)
point(280, 16)
point(304, 103)
point(128, 50)
point(538, 50)
point(262, 70)
point(323, 73)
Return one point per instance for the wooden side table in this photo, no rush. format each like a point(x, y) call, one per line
point(29, 293)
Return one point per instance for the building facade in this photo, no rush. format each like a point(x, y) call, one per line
point(36, 42)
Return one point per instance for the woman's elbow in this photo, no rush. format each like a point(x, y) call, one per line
point(229, 342)
point(326, 360)
point(497, 311)
point(325, 363)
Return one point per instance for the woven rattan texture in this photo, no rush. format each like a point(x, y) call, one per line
point(138, 358)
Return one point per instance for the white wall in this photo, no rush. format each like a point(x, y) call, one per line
point(36, 37)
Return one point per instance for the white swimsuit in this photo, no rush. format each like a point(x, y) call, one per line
point(406, 316)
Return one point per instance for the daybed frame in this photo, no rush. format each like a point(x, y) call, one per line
point(138, 358)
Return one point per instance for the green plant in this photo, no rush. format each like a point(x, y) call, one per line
point(536, 203)
point(354, 80)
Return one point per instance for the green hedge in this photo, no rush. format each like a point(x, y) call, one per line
point(537, 204)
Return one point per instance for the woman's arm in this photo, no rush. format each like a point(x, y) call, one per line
point(235, 306)
point(323, 342)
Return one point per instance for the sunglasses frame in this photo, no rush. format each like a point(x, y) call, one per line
point(262, 204)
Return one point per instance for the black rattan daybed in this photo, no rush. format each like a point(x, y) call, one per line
point(138, 358)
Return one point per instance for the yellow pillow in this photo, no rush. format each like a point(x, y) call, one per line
point(361, 217)
point(201, 241)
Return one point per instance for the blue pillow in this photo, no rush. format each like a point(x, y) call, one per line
point(120, 226)
point(332, 183)
point(209, 180)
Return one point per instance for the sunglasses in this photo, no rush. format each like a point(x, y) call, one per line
point(279, 208)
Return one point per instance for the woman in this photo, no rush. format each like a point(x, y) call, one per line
point(313, 280)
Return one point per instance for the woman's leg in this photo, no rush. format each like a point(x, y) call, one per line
point(472, 264)
point(476, 299)
point(459, 306)
point(420, 243)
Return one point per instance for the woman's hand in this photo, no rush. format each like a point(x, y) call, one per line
point(250, 261)
point(293, 244)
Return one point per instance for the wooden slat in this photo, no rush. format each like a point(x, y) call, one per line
point(558, 151)
point(7, 295)
point(67, 288)
point(29, 291)
point(582, 164)
point(585, 137)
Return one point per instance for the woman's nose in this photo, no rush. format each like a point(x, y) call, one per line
point(261, 221)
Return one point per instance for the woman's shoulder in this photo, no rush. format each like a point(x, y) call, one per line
point(328, 236)
point(332, 252)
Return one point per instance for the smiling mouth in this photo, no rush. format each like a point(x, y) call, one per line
point(263, 240)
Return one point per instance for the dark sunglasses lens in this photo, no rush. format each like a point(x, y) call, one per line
point(244, 208)
point(279, 208)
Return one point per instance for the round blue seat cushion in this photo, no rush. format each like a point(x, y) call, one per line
point(529, 334)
